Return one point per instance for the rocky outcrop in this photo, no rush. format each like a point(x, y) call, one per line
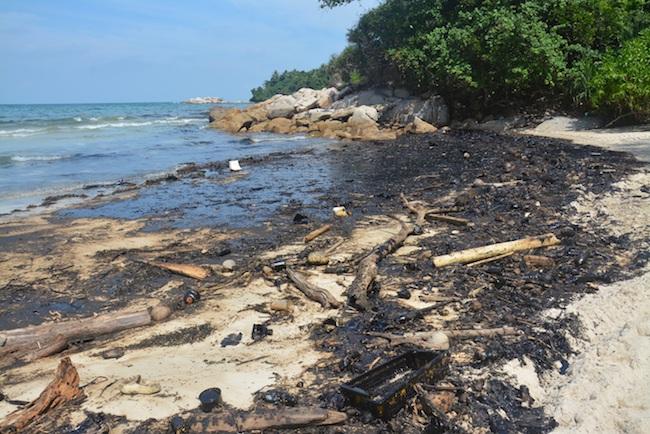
point(204, 100)
point(374, 114)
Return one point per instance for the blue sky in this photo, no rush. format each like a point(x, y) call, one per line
point(160, 50)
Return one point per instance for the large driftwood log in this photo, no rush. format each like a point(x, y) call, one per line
point(367, 271)
point(313, 292)
point(189, 270)
point(317, 233)
point(64, 388)
point(261, 420)
point(43, 335)
point(479, 253)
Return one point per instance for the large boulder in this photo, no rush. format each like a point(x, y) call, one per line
point(306, 99)
point(280, 126)
point(403, 112)
point(217, 113)
point(234, 121)
point(434, 111)
point(327, 97)
point(283, 106)
point(363, 115)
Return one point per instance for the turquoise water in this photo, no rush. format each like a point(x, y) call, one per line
point(49, 150)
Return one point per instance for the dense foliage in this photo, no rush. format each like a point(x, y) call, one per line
point(290, 81)
point(485, 55)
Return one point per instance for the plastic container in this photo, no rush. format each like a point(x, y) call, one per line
point(385, 389)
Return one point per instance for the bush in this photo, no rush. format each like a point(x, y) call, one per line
point(290, 81)
point(620, 84)
point(485, 54)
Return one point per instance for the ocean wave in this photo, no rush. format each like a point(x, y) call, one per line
point(167, 121)
point(25, 158)
point(21, 132)
point(276, 139)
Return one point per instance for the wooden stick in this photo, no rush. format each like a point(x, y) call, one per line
point(367, 270)
point(64, 388)
point(478, 253)
point(487, 260)
point(59, 344)
point(260, 420)
point(449, 219)
point(313, 292)
point(193, 271)
point(75, 329)
point(475, 333)
point(317, 233)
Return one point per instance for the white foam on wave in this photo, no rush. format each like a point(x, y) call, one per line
point(167, 121)
point(277, 139)
point(25, 158)
point(77, 118)
point(20, 132)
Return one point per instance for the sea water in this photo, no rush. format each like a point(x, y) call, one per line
point(57, 149)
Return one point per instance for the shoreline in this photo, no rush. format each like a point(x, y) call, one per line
point(367, 180)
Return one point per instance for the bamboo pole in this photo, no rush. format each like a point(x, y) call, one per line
point(317, 233)
point(480, 253)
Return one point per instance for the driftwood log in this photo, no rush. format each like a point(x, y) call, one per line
point(44, 335)
point(367, 271)
point(261, 420)
point(313, 292)
point(317, 233)
point(64, 388)
point(480, 253)
point(189, 270)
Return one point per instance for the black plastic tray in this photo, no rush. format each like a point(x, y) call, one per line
point(385, 389)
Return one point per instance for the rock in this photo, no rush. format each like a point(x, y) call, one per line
point(217, 113)
point(113, 353)
point(259, 127)
point(233, 121)
point(363, 115)
point(372, 97)
point(342, 114)
point(204, 100)
point(306, 99)
point(229, 265)
point(327, 128)
point(160, 312)
point(327, 97)
point(418, 126)
point(232, 339)
point(434, 111)
point(318, 115)
point(280, 125)
point(283, 106)
point(258, 112)
point(404, 111)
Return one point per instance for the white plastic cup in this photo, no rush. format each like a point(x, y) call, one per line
point(234, 165)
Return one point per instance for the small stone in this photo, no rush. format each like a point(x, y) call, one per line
point(232, 339)
point(229, 265)
point(404, 293)
point(113, 353)
point(466, 155)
